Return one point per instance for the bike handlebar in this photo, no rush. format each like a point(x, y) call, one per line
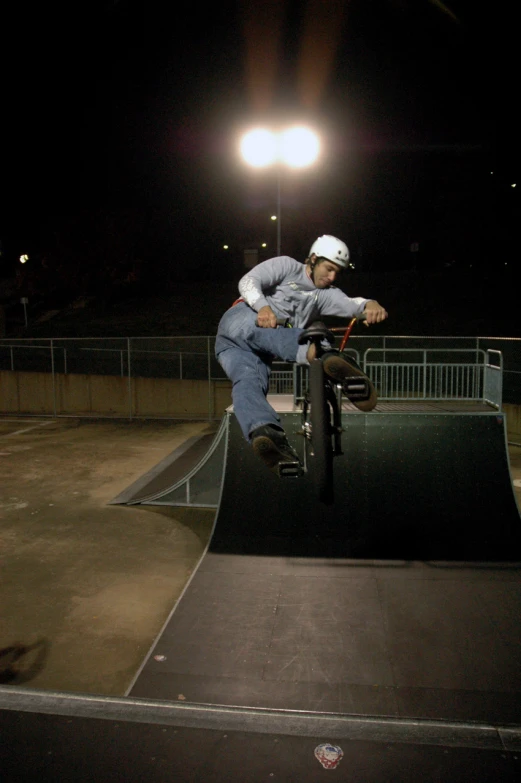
point(360, 317)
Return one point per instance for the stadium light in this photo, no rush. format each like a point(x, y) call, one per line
point(296, 147)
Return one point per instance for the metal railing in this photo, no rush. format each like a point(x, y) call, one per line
point(282, 381)
point(425, 379)
point(77, 358)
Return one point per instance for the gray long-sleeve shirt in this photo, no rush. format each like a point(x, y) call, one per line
point(283, 284)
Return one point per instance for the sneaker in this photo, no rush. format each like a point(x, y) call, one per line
point(271, 445)
point(355, 384)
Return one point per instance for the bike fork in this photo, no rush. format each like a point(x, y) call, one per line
point(336, 407)
point(334, 397)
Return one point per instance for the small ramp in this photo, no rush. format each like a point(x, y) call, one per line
point(190, 476)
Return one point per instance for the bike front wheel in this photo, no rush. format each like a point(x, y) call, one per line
point(321, 457)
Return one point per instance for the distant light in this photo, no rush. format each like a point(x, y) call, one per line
point(274, 217)
point(491, 172)
point(296, 147)
point(259, 148)
point(225, 247)
point(264, 244)
point(351, 265)
point(299, 147)
point(513, 185)
point(24, 259)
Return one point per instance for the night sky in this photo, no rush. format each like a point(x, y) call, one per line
point(126, 114)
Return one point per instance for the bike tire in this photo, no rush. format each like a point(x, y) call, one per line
point(321, 436)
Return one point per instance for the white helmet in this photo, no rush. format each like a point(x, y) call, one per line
point(331, 248)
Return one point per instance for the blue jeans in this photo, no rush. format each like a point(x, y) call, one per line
point(245, 351)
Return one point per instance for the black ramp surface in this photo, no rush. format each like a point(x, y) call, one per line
point(50, 748)
point(408, 486)
point(401, 600)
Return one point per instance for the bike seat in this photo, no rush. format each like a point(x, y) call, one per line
point(317, 330)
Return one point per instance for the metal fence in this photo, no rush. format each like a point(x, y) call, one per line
point(149, 357)
point(429, 373)
point(420, 376)
point(408, 372)
point(414, 367)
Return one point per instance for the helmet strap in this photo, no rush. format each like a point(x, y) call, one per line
point(312, 265)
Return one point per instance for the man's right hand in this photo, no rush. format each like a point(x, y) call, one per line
point(266, 318)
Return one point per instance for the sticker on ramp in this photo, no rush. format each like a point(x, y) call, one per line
point(329, 755)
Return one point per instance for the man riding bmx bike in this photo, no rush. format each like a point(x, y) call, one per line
point(248, 338)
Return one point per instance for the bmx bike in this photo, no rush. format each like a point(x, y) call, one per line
point(322, 407)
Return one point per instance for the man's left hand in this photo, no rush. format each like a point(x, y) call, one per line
point(374, 313)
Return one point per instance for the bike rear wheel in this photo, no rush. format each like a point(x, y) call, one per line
point(321, 458)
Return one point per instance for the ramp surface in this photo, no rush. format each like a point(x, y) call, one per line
point(145, 741)
point(400, 600)
point(408, 486)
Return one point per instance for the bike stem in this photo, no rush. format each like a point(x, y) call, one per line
point(347, 332)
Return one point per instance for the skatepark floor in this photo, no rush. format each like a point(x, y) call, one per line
point(86, 587)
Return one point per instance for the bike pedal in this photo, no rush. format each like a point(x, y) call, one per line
point(356, 390)
point(290, 470)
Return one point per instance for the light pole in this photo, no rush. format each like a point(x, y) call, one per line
point(279, 228)
point(277, 216)
point(296, 147)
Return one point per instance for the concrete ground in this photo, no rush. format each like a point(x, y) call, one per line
point(86, 587)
